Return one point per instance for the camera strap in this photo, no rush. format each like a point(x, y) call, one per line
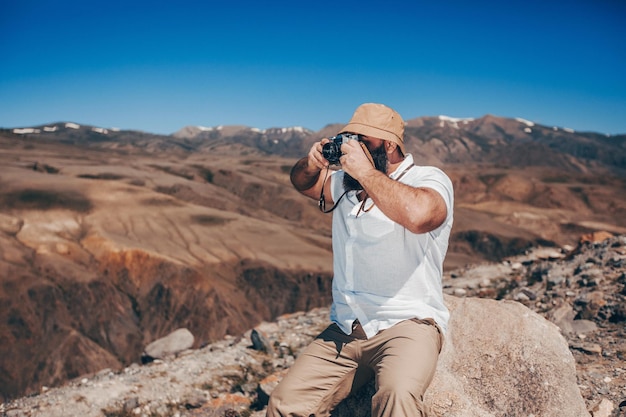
point(365, 195)
point(367, 153)
point(322, 201)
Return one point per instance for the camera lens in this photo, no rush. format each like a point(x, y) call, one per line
point(332, 152)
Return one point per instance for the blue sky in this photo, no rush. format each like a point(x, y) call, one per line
point(159, 66)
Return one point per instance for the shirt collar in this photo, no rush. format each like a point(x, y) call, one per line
point(408, 161)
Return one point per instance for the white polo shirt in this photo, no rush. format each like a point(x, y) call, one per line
point(383, 273)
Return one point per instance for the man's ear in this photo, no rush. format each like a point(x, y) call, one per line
point(390, 146)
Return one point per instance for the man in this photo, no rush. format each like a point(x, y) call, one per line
point(391, 224)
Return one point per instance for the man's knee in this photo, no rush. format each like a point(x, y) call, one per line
point(285, 403)
point(391, 398)
point(276, 403)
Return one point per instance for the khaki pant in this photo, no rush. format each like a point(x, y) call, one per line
point(402, 358)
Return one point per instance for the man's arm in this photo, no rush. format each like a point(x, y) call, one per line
point(419, 209)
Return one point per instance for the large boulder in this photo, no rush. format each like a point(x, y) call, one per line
point(499, 359)
point(175, 342)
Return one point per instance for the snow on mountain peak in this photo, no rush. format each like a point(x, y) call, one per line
point(299, 129)
point(25, 130)
point(454, 121)
point(526, 122)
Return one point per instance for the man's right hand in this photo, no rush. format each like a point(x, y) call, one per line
point(305, 174)
point(316, 158)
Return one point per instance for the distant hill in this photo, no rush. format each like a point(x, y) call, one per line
point(440, 140)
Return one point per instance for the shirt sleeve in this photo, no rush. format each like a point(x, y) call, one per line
point(435, 178)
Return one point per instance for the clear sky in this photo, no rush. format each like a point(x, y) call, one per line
point(158, 66)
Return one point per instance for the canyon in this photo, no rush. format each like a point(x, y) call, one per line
point(110, 240)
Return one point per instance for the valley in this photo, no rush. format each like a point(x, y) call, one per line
point(109, 241)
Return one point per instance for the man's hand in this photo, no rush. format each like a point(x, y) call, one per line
point(305, 174)
point(316, 158)
point(354, 160)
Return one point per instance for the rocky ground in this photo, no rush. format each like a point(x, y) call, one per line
point(582, 290)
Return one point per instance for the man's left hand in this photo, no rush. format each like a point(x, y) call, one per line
point(354, 161)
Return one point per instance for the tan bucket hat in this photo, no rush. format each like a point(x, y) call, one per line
point(377, 121)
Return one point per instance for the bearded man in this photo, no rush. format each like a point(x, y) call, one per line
point(391, 225)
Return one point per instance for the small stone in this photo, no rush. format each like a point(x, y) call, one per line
point(520, 296)
point(131, 404)
point(260, 341)
point(516, 266)
point(603, 409)
point(460, 292)
point(175, 342)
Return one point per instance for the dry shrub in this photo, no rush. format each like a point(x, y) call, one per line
point(37, 199)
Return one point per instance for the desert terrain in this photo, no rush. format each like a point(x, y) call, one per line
point(109, 240)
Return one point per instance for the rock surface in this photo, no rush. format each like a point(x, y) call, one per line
point(498, 356)
point(175, 342)
point(501, 359)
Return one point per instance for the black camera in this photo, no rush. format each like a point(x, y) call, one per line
point(332, 150)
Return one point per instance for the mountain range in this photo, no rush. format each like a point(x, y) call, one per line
point(112, 238)
point(437, 140)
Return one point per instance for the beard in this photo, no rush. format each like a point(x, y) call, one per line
point(379, 155)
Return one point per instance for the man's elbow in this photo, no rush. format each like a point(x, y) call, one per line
point(311, 193)
point(426, 221)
